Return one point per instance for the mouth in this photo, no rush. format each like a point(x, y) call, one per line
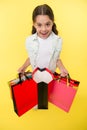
point(44, 33)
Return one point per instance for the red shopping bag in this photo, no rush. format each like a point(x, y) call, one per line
point(62, 92)
point(24, 94)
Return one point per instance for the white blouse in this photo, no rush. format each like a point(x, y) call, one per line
point(44, 53)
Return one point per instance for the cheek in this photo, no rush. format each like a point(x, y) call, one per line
point(38, 29)
point(50, 28)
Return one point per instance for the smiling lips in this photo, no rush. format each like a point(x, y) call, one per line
point(44, 34)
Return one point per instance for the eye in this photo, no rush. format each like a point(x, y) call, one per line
point(39, 25)
point(48, 24)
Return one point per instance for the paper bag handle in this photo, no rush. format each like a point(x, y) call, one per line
point(67, 77)
point(20, 75)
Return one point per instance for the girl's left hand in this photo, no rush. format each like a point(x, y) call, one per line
point(63, 72)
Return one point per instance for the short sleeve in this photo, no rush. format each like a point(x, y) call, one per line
point(59, 44)
point(27, 43)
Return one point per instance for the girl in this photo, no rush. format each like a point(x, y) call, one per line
point(44, 45)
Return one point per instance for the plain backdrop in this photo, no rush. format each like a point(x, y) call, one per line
point(15, 26)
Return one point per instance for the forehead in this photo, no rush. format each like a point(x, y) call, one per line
point(42, 19)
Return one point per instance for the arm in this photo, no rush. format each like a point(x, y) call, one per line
point(61, 67)
point(24, 66)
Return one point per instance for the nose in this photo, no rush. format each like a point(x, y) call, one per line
point(43, 28)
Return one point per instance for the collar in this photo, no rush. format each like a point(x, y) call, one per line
point(35, 37)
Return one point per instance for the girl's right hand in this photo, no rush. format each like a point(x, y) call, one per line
point(21, 70)
point(24, 66)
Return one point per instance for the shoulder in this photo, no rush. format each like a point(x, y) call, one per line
point(30, 40)
point(57, 38)
point(31, 37)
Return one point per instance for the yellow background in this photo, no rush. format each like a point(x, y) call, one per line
point(15, 26)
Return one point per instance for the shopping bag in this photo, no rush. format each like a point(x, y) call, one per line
point(42, 95)
point(62, 91)
point(42, 77)
point(24, 94)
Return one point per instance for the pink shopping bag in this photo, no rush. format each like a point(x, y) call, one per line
point(62, 93)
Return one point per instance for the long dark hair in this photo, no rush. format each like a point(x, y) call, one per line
point(43, 10)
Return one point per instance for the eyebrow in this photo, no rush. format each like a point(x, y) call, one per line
point(45, 23)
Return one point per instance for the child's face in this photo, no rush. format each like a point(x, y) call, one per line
point(43, 25)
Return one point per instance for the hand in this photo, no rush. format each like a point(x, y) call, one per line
point(24, 66)
point(63, 72)
point(21, 70)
